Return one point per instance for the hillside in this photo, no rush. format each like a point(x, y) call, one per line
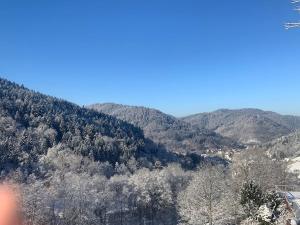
point(246, 125)
point(31, 123)
point(285, 146)
point(166, 130)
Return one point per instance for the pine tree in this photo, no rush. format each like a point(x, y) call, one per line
point(252, 198)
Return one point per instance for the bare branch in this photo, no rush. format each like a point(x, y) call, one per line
point(292, 25)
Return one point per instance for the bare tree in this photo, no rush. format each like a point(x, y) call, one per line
point(294, 24)
point(203, 200)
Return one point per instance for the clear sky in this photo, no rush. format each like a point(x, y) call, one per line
point(180, 56)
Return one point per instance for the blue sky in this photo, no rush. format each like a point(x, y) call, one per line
point(180, 56)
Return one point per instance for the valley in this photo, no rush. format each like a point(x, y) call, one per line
point(116, 164)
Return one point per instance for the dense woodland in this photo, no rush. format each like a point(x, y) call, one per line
point(31, 123)
point(78, 166)
point(76, 190)
point(246, 125)
point(174, 134)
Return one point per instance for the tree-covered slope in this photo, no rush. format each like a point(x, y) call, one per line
point(31, 123)
point(285, 146)
point(246, 125)
point(174, 134)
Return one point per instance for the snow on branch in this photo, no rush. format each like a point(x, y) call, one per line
point(294, 24)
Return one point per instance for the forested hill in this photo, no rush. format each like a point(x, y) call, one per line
point(31, 123)
point(283, 147)
point(246, 125)
point(174, 134)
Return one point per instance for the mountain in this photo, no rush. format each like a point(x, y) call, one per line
point(174, 134)
point(31, 123)
point(246, 125)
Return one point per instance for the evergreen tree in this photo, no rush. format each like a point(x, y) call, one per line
point(252, 198)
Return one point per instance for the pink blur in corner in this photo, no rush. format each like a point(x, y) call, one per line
point(9, 206)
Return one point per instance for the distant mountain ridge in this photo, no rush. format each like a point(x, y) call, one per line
point(176, 135)
point(246, 125)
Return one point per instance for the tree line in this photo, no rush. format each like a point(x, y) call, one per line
point(73, 189)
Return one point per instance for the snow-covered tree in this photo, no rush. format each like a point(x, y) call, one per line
point(176, 177)
point(37, 203)
point(204, 199)
point(122, 194)
point(252, 198)
point(257, 166)
point(153, 193)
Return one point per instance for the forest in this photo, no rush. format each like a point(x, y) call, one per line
point(151, 112)
point(77, 166)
